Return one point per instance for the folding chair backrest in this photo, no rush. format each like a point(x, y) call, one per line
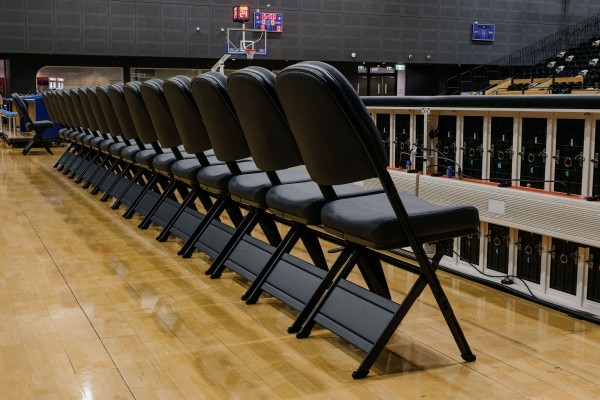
point(100, 116)
point(113, 98)
point(139, 113)
point(49, 107)
point(94, 124)
point(185, 113)
point(60, 104)
point(337, 138)
point(79, 108)
point(21, 108)
point(226, 135)
point(62, 101)
point(160, 114)
point(253, 94)
point(68, 98)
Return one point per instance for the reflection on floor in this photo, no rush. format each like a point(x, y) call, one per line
point(93, 308)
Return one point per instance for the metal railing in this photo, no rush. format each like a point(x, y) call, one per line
point(478, 78)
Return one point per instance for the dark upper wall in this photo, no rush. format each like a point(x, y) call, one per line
point(376, 30)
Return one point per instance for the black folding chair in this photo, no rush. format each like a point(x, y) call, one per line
point(38, 127)
point(339, 143)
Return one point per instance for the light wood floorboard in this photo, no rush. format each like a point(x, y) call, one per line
point(91, 307)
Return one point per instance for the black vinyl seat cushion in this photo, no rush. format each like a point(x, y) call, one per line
point(105, 145)
point(215, 178)
point(163, 162)
point(128, 152)
point(370, 220)
point(302, 202)
point(92, 141)
point(116, 148)
point(40, 125)
point(252, 189)
point(186, 170)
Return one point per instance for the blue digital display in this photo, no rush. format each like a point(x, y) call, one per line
point(270, 22)
point(483, 32)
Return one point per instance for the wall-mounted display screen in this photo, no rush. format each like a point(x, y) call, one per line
point(241, 14)
point(483, 32)
point(270, 22)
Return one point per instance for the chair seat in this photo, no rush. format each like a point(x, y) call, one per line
point(370, 220)
point(302, 202)
point(186, 170)
point(105, 145)
point(215, 178)
point(116, 148)
point(252, 189)
point(163, 162)
point(144, 157)
point(44, 124)
point(128, 152)
point(95, 141)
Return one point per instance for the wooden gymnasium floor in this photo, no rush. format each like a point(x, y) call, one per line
point(93, 308)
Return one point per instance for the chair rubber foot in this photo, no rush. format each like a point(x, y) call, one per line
point(302, 334)
point(244, 297)
point(251, 300)
point(161, 239)
point(359, 374)
point(292, 329)
point(469, 357)
point(215, 276)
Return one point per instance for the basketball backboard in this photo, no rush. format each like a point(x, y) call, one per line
point(248, 42)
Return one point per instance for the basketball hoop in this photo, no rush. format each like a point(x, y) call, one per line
point(249, 53)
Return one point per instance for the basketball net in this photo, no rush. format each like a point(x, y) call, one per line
point(249, 53)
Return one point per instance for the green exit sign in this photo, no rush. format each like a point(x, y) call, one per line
point(400, 67)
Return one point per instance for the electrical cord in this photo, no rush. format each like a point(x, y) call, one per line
point(496, 276)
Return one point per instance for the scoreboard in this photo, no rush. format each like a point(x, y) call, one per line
point(270, 22)
point(483, 32)
point(241, 14)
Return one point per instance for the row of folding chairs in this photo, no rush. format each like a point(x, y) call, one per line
point(295, 149)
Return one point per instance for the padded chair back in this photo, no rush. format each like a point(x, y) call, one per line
point(223, 128)
point(115, 100)
point(337, 138)
point(185, 113)
point(70, 110)
point(56, 111)
point(253, 94)
point(160, 114)
point(78, 107)
point(49, 107)
point(87, 109)
point(108, 112)
point(60, 100)
point(139, 113)
point(92, 97)
point(20, 107)
point(343, 145)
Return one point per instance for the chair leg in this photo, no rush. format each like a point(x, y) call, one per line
point(131, 210)
point(314, 249)
point(348, 256)
point(64, 156)
point(270, 230)
point(68, 156)
point(109, 170)
point(247, 225)
point(165, 194)
point(78, 165)
point(106, 194)
point(214, 212)
point(81, 156)
point(372, 271)
point(98, 168)
point(166, 232)
point(92, 162)
point(331, 280)
point(287, 244)
point(133, 180)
